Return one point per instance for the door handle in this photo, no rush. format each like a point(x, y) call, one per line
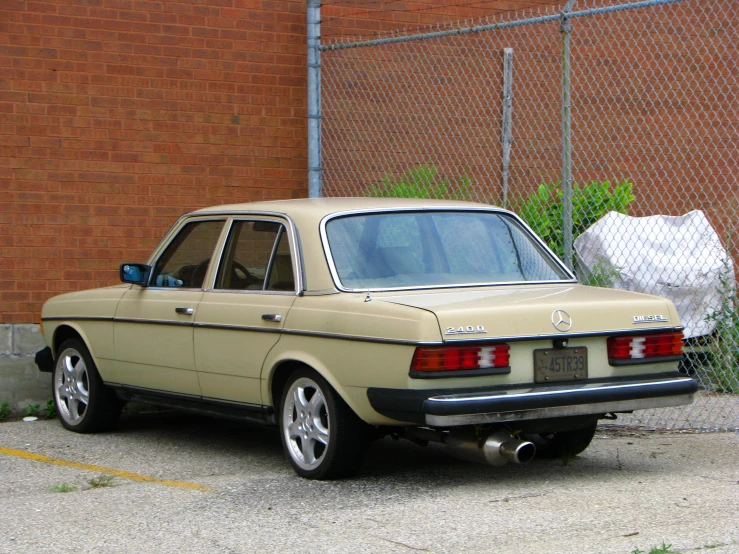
point(184, 311)
point(272, 317)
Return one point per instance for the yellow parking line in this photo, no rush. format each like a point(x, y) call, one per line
point(100, 469)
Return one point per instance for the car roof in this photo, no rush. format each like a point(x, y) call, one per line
point(308, 212)
point(320, 207)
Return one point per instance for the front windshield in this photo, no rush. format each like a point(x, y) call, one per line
point(426, 249)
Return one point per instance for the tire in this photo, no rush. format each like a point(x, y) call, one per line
point(562, 444)
point(321, 436)
point(83, 403)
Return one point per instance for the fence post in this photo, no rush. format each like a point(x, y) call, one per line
point(314, 98)
point(507, 138)
point(566, 136)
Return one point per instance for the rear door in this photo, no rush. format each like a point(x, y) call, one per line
point(240, 318)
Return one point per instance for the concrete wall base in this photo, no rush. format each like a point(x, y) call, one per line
point(21, 383)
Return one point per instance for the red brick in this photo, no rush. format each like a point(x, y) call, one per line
point(122, 114)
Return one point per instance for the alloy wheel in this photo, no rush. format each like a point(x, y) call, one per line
point(306, 423)
point(71, 386)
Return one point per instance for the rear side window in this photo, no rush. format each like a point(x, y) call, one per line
point(256, 257)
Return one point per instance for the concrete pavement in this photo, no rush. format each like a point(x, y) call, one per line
point(628, 490)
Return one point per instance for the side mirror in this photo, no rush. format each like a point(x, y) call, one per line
point(136, 274)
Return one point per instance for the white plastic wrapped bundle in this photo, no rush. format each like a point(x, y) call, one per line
point(680, 258)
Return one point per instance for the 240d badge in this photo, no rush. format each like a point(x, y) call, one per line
point(468, 330)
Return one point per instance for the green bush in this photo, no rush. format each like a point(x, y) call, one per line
point(722, 367)
point(543, 210)
point(5, 410)
point(421, 182)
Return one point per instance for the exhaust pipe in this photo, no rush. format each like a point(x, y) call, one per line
point(498, 449)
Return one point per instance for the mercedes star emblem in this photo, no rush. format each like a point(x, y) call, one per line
point(561, 320)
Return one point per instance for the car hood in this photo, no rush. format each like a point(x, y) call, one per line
point(533, 311)
point(100, 302)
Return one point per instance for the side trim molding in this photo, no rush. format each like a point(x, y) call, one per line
point(236, 328)
point(296, 332)
point(78, 318)
point(357, 338)
point(153, 322)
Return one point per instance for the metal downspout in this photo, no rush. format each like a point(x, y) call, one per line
point(566, 136)
point(314, 98)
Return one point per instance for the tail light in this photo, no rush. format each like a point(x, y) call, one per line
point(636, 349)
point(447, 361)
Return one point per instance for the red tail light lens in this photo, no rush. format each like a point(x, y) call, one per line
point(460, 358)
point(645, 347)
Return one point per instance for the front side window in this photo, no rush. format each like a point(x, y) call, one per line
point(413, 249)
point(186, 259)
point(256, 257)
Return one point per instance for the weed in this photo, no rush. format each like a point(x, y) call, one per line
point(600, 275)
point(32, 410)
point(664, 549)
point(723, 367)
point(567, 459)
point(4, 410)
point(101, 481)
point(50, 409)
point(64, 487)
point(421, 182)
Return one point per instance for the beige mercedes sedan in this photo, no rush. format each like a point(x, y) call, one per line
point(346, 320)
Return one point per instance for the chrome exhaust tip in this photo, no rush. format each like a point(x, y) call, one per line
point(518, 451)
point(498, 449)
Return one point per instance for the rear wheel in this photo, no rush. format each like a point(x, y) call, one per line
point(322, 437)
point(562, 444)
point(83, 403)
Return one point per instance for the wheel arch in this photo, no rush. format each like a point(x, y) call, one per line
point(278, 379)
point(280, 370)
point(67, 331)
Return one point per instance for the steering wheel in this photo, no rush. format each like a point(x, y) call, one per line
point(198, 274)
point(246, 278)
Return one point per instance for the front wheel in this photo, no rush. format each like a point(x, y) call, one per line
point(322, 437)
point(83, 403)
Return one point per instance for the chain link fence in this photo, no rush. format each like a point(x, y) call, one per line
point(612, 129)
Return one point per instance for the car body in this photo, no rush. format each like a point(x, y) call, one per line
point(341, 320)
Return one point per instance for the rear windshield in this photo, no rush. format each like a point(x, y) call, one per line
point(426, 249)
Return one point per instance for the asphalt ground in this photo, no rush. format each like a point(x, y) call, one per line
point(180, 483)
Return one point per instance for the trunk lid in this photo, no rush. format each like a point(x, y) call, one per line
point(533, 311)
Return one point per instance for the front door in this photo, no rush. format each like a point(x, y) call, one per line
point(153, 326)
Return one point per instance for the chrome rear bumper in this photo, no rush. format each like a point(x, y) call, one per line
point(500, 405)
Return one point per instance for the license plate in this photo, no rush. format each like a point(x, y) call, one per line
point(560, 364)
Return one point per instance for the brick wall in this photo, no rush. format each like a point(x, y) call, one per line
point(116, 116)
